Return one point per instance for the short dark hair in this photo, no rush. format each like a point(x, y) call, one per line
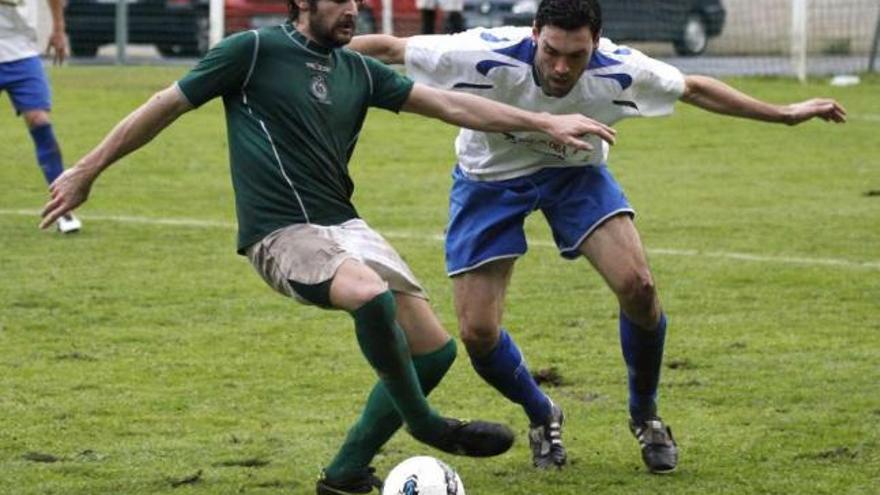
point(569, 15)
point(293, 9)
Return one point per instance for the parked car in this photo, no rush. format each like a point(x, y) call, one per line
point(688, 24)
point(176, 27)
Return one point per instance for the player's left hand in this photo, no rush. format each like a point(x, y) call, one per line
point(824, 108)
point(57, 47)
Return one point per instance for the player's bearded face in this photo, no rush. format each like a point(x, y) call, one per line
point(332, 22)
point(561, 57)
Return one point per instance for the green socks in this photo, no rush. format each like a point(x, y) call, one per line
point(384, 345)
point(380, 420)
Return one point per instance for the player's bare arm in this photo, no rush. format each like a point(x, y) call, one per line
point(72, 188)
point(715, 96)
point(481, 114)
point(389, 49)
point(57, 44)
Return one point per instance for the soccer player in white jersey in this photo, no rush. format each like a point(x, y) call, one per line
point(23, 77)
point(560, 65)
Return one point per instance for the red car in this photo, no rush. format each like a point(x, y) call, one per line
point(251, 14)
point(179, 28)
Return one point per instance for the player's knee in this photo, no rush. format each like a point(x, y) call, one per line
point(638, 290)
point(36, 118)
point(362, 294)
point(354, 285)
point(479, 337)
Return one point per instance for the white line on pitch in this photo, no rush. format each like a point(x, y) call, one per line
point(192, 222)
point(870, 117)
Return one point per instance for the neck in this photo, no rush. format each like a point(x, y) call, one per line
point(302, 25)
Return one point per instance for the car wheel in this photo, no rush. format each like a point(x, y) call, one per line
point(366, 21)
point(694, 36)
point(83, 48)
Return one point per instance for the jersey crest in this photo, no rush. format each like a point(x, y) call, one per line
point(319, 89)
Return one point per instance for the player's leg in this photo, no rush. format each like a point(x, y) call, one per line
point(454, 19)
point(428, 14)
point(29, 91)
point(433, 352)
point(327, 266)
point(359, 290)
point(31, 97)
point(483, 239)
point(590, 216)
point(615, 250)
point(479, 303)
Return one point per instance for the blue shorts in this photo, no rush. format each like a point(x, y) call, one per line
point(25, 80)
point(486, 217)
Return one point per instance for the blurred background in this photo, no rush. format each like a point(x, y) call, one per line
point(717, 37)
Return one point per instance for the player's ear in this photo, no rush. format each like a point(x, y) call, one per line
point(535, 31)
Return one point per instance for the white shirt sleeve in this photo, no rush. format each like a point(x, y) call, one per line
point(656, 87)
point(444, 60)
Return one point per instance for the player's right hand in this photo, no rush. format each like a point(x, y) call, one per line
point(68, 191)
point(57, 46)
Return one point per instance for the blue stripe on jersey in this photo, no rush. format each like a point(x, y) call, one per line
point(625, 80)
point(484, 66)
point(524, 51)
point(598, 61)
point(491, 38)
point(472, 85)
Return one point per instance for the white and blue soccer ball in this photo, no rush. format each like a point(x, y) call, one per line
point(423, 475)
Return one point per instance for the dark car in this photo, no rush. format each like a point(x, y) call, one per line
point(688, 24)
point(176, 27)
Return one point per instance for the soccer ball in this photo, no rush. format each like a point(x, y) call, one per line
point(423, 475)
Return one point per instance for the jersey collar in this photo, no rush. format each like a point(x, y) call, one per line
point(305, 42)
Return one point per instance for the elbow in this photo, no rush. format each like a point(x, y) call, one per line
point(693, 88)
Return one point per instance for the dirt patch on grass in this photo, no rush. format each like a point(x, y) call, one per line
point(41, 457)
point(186, 480)
point(835, 454)
point(550, 377)
point(249, 462)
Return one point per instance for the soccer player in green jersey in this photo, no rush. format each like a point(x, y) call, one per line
point(295, 101)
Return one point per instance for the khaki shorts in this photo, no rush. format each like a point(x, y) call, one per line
point(311, 254)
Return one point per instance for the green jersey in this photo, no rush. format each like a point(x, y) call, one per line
point(294, 110)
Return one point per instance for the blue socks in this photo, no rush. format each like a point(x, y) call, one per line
point(643, 353)
point(48, 152)
point(505, 369)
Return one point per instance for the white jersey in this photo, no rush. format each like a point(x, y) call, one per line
point(497, 63)
point(18, 29)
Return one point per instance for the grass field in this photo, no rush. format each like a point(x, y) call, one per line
point(143, 356)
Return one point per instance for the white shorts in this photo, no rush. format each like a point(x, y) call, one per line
point(311, 254)
point(445, 5)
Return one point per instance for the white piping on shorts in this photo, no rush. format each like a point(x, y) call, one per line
point(481, 263)
point(593, 227)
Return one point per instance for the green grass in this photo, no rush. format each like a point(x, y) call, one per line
point(138, 355)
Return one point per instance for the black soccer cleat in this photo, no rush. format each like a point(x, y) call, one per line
point(472, 438)
point(363, 482)
point(659, 450)
point(546, 441)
